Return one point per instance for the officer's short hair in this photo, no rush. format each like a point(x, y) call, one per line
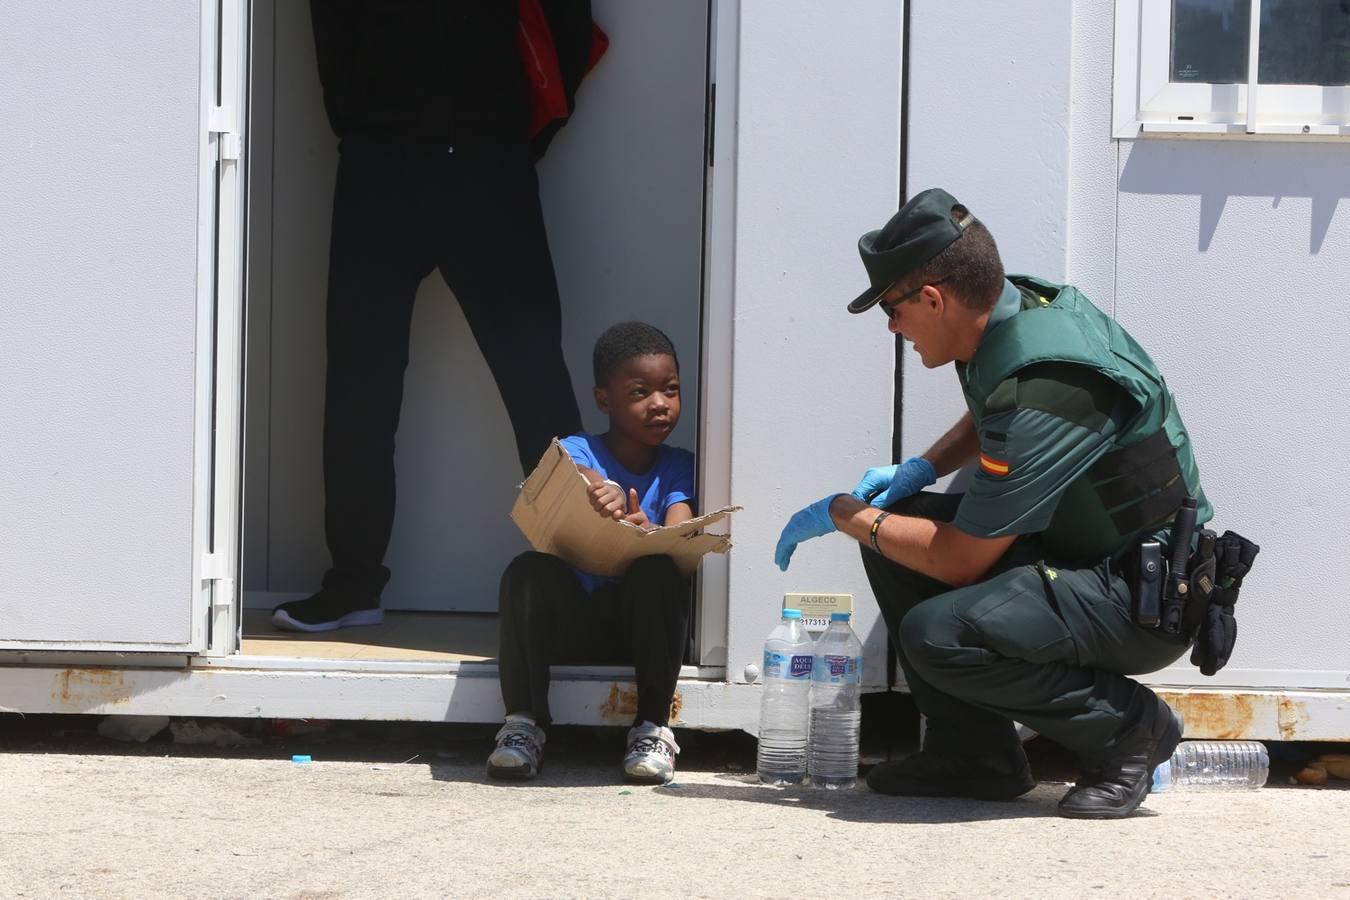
point(969, 266)
point(624, 341)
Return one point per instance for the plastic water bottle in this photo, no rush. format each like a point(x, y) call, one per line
point(1214, 766)
point(783, 710)
point(836, 706)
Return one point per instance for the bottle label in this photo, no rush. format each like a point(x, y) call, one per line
point(787, 665)
point(838, 669)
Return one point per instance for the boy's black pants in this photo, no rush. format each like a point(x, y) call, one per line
point(401, 211)
point(547, 619)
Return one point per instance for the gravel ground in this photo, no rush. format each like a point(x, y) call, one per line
point(84, 817)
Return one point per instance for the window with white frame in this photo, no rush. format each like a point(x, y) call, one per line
point(1276, 67)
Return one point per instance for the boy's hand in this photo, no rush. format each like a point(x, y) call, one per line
point(607, 498)
point(637, 516)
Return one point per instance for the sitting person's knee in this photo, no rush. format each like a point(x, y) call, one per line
point(531, 566)
point(659, 566)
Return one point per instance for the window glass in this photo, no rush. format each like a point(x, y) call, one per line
point(1209, 40)
point(1302, 41)
point(1305, 42)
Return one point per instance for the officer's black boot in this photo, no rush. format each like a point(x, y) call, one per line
point(1112, 787)
point(934, 774)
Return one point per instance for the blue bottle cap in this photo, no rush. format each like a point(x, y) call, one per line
point(792, 613)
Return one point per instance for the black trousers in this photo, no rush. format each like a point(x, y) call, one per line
point(399, 212)
point(547, 619)
point(1044, 644)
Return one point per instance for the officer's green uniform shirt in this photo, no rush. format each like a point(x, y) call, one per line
point(1065, 418)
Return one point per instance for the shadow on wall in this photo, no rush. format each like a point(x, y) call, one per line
point(1217, 170)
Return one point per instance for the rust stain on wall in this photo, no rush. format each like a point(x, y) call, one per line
point(1292, 714)
point(620, 707)
point(1268, 715)
point(1215, 716)
point(80, 689)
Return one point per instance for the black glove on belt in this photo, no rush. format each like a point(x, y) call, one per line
point(1217, 631)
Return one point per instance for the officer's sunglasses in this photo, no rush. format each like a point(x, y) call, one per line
point(890, 306)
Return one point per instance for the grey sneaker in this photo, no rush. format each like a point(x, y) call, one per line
point(651, 754)
point(520, 751)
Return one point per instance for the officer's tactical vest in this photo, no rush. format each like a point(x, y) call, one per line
point(1138, 485)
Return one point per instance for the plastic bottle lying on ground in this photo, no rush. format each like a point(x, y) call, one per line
point(1214, 766)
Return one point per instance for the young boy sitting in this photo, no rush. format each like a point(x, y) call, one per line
point(554, 614)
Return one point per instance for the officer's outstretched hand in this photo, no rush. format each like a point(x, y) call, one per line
point(812, 522)
point(885, 485)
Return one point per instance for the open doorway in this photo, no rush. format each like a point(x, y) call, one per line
point(622, 188)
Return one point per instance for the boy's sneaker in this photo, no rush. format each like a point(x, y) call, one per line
point(651, 754)
point(520, 750)
point(326, 611)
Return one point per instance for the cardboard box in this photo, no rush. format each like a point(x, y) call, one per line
point(555, 515)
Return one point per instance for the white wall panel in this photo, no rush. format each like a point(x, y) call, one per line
point(1233, 268)
point(1093, 156)
point(988, 120)
point(817, 165)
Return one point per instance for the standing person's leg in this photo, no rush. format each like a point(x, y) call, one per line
point(377, 257)
point(495, 258)
point(655, 615)
point(967, 751)
point(1052, 648)
point(547, 619)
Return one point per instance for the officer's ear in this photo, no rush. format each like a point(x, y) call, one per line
point(933, 298)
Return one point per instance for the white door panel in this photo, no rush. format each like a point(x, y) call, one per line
point(106, 197)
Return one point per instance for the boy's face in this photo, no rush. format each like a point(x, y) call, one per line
point(642, 398)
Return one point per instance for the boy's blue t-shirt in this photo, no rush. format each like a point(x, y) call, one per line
point(670, 480)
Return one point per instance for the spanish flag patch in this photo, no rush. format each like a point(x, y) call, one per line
point(993, 466)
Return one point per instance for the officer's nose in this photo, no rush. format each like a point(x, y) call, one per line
point(893, 323)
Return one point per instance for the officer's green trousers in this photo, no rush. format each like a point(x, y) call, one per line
point(1044, 644)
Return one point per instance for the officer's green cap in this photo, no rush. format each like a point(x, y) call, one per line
point(918, 232)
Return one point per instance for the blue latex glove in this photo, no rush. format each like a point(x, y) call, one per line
point(885, 485)
point(812, 522)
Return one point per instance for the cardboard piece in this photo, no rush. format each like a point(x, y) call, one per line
point(555, 515)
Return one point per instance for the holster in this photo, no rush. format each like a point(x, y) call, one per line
point(1144, 569)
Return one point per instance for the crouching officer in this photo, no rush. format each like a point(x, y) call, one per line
point(1016, 600)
